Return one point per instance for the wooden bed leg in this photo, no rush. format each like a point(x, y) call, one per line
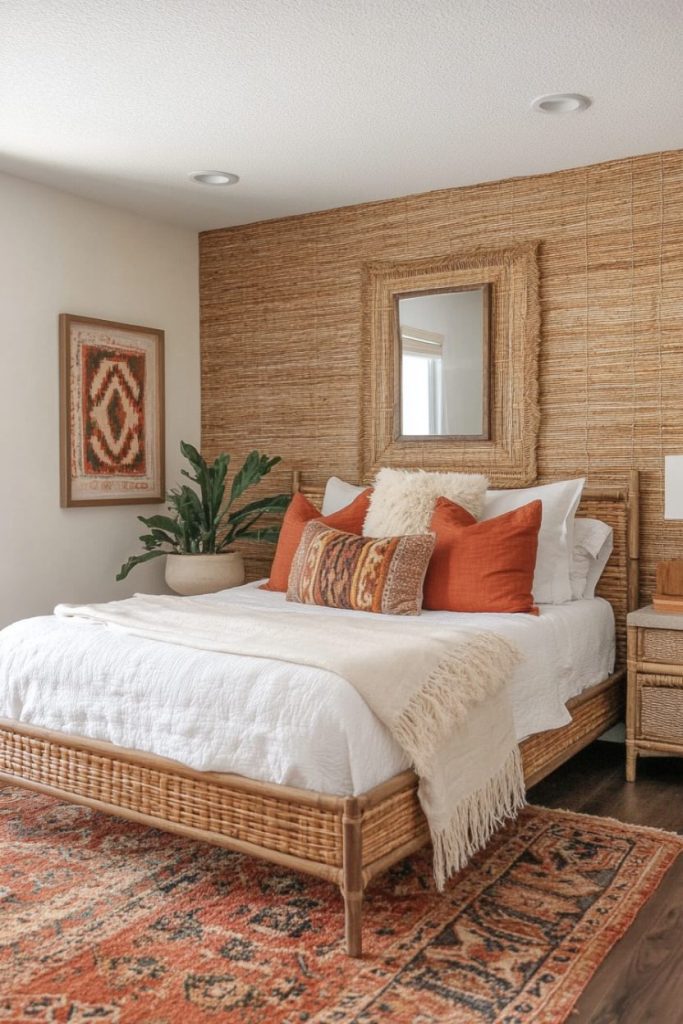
point(631, 755)
point(352, 886)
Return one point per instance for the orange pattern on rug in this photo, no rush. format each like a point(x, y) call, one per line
point(104, 920)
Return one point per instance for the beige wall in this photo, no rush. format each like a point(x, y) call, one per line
point(281, 321)
point(63, 254)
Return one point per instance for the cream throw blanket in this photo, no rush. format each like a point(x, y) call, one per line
point(421, 681)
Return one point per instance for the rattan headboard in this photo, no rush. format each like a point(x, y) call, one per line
point(616, 505)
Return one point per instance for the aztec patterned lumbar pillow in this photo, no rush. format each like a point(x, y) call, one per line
point(341, 570)
point(403, 500)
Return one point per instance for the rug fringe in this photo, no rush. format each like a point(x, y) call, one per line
point(477, 818)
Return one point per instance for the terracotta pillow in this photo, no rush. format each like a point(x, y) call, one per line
point(365, 574)
point(483, 566)
point(301, 511)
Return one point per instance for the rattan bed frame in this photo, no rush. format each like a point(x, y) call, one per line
point(346, 840)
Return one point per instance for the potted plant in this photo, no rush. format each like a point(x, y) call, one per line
point(198, 536)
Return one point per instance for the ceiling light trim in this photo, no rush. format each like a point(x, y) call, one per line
point(214, 178)
point(561, 103)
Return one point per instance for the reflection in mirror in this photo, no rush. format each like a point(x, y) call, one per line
point(444, 349)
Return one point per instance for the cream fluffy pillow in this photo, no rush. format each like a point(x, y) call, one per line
point(403, 500)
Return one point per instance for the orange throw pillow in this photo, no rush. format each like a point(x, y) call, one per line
point(483, 566)
point(300, 511)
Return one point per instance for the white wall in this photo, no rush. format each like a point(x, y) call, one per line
point(61, 254)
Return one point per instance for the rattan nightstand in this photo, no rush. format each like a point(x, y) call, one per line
point(654, 709)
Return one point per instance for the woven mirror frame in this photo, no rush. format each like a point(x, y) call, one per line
point(508, 457)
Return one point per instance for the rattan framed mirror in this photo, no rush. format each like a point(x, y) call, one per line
point(506, 449)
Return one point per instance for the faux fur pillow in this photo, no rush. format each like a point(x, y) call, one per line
point(403, 500)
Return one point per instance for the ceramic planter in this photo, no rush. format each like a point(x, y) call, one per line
point(204, 574)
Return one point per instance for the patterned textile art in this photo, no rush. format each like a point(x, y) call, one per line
point(102, 919)
point(112, 384)
point(113, 411)
point(367, 574)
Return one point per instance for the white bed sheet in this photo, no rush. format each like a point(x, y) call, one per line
point(260, 718)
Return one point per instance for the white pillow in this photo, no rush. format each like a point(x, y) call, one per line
point(403, 500)
point(560, 501)
point(593, 543)
point(339, 494)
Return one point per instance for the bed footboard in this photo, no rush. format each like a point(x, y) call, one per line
point(345, 840)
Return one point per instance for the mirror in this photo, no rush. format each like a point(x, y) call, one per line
point(444, 348)
point(499, 359)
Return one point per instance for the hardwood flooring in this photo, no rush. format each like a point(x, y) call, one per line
point(641, 980)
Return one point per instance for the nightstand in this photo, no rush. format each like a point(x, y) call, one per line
point(654, 707)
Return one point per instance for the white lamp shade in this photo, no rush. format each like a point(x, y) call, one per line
point(673, 486)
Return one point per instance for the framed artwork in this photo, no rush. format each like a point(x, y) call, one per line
point(111, 412)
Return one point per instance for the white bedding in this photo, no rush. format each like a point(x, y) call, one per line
point(259, 718)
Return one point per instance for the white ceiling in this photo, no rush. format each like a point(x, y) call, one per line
point(323, 103)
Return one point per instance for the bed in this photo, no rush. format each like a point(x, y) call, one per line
point(371, 821)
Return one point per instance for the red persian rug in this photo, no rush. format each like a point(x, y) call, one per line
point(103, 920)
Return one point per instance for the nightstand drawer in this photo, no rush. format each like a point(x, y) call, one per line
point(664, 645)
point(661, 708)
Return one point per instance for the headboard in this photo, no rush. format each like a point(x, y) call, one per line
point(616, 505)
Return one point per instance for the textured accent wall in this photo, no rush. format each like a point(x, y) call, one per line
point(281, 322)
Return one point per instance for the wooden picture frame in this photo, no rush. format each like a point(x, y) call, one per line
point(111, 423)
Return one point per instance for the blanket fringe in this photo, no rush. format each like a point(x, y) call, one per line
point(463, 678)
point(477, 818)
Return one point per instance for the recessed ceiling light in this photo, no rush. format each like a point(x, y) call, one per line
point(561, 103)
point(214, 178)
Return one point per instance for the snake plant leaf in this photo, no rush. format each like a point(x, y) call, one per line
point(192, 455)
point(150, 541)
point(161, 523)
point(255, 467)
point(267, 534)
point(136, 560)
point(275, 503)
point(241, 522)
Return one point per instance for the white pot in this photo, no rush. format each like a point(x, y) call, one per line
point(204, 574)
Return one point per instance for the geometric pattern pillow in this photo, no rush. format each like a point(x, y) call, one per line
point(366, 574)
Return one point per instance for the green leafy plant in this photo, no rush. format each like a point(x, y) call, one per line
point(205, 522)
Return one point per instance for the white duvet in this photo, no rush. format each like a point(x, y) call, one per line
point(264, 719)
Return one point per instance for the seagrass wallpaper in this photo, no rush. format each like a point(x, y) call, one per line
point(281, 324)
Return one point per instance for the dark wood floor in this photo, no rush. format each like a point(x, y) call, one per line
point(641, 980)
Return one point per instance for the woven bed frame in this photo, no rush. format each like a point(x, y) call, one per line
point(346, 840)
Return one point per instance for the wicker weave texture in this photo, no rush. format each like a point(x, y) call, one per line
point(281, 323)
point(612, 584)
point(597, 714)
point(399, 819)
point(664, 645)
point(661, 711)
point(295, 829)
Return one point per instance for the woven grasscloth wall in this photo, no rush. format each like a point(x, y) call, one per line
point(281, 323)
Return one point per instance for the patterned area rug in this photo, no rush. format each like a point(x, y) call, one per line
point(103, 920)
